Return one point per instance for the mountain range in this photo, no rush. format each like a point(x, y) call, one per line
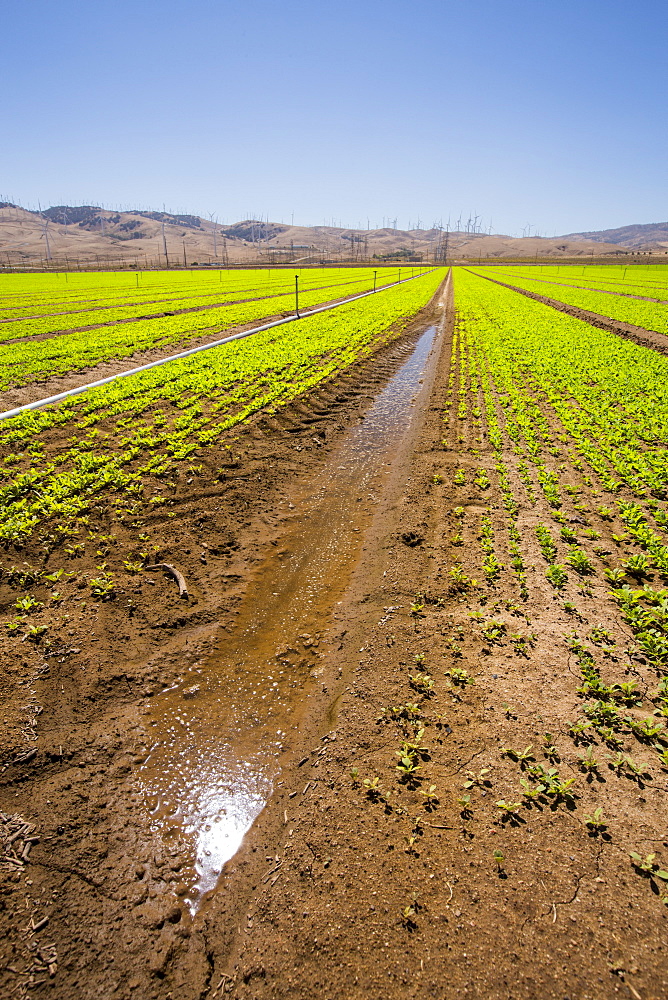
point(87, 234)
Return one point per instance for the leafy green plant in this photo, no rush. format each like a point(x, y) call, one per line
point(648, 866)
point(422, 683)
point(27, 604)
point(408, 913)
point(637, 566)
point(459, 676)
point(509, 810)
point(580, 562)
point(596, 823)
point(103, 587)
point(557, 576)
point(430, 797)
point(588, 762)
point(481, 778)
point(521, 756)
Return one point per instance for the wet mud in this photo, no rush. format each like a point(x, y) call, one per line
point(218, 734)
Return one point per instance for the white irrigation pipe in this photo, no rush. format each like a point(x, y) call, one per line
point(48, 400)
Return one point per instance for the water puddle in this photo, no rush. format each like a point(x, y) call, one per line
point(217, 736)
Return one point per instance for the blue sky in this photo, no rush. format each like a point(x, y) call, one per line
point(528, 112)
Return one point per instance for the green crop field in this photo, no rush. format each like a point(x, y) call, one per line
point(70, 342)
point(141, 426)
point(568, 425)
point(592, 293)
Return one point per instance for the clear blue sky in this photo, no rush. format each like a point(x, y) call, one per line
point(543, 112)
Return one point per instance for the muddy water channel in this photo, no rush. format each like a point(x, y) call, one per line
point(217, 736)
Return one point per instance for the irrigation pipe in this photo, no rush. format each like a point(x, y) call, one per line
point(49, 400)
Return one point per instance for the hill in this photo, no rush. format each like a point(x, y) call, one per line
point(653, 235)
point(87, 235)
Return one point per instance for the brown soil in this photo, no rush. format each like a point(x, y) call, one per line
point(646, 338)
point(335, 893)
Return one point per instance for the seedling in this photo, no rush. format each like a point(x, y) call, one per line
point(637, 566)
point(596, 822)
point(27, 604)
point(521, 756)
point(491, 566)
point(494, 631)
point(549, 749)
point(546, 542)
point(414, 747)
point(531, 792)
point(479, 779)
point(621, 763)
point(554, 785)
point(499, 859)
point(647, 729)
point(408, 913)
point(557, 576)
point(509, 810)
point(373, 789)
point(601, 636)
point(408, 768)
point(523, 643)
point(422, 683)
point(648, 866)
point(103, 586)
point(626, 693)
point(460, 580)
point(412, 838)
point(15, 624)
point(35, 632)
point(588, 762)
point(459, 676)
point(430, 796)
point(580, 562)
point(609, 736)
point(465, 802)
point(133, 567)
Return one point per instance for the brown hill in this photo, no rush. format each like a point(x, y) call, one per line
point(86, 235)
point(652, 236)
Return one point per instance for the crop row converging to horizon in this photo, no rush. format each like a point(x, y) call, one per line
point(48, 347)
point(119, 435)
